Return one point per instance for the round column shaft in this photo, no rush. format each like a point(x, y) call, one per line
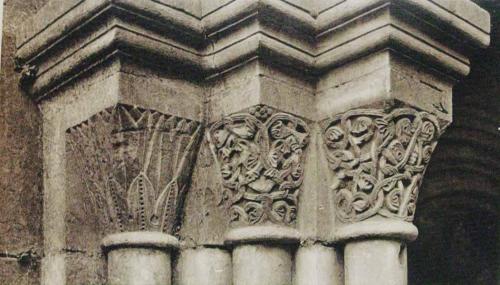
point(263, 255)
point(256, 264)
point(319, 265)
point(139, 258)
point(375, 262)
point(375, 252)
point(204, 266)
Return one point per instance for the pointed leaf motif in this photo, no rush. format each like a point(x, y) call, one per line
point(165, 208)
point(386, 129)
point(140, 200)
point(127, 156)
point(260, 164)
point(117, 204)
point(272, 173)
point(378, 157)
point(171, 124)
point(168, 205)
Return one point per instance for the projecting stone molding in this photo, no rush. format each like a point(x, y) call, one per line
point(302, 38)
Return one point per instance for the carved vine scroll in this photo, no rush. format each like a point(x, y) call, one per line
point(136, 165)
point(379, 159)
point(260, 156)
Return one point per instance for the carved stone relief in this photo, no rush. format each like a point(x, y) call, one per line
point(136, 166)
point(260, 155)
point(379, 158)
point(205, 219)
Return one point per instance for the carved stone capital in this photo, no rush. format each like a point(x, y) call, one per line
point(260, 157)
point(378, 158)
point(135, 165)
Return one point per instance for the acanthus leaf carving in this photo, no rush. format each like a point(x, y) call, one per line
point(260, 156)
point(379, 159)
point(136, 165)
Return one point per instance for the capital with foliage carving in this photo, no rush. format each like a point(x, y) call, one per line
point(260, 157)
point(378, 157)
point(136, 165)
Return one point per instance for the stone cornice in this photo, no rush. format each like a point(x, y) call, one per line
point(80, 33)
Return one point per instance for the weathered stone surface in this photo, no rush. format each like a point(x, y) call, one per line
point(318, 264)
point(136, 266)
point(139, 257)
point(205, 221)
point(20, 160)
point(134, 166)
point(379, 158)
point(85, 268)
point(362, 260)
point(20, 153)
point(260, 157)
point(112, 76)
point(204, 266)
point(11, 273)
point(262, 265)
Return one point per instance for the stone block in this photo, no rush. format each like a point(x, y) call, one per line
point(12, 273)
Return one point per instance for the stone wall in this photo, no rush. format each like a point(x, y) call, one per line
point(20, 162)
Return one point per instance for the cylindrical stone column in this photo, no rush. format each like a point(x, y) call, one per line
point(204, 266)
point(319, 265)
point(379, 157)
point(139, 258)
point(260, 153)
point(375, 252)
point(263, 255)
point(375, 261)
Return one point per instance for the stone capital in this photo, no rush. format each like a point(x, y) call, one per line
point(260, 157)
point(378, 157)
point(318, 118)
point(124, 155)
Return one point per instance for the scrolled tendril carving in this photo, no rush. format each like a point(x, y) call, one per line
point(379, 159)
point(260, 159)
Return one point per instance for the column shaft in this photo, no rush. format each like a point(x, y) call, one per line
point(136, 266)
point(375, 262)
point(204, 266)
point(139, 258)
point(318, 265)
point(257, 264)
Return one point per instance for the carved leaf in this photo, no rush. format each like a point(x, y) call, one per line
point(264, 163)
point(140, 200)
point(360, 205)
point(117, 203)
point(386, 151)
point(165, 212)
point(125, 154)
point(273, 157)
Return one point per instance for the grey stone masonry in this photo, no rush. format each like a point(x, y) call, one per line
point(239, 142)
